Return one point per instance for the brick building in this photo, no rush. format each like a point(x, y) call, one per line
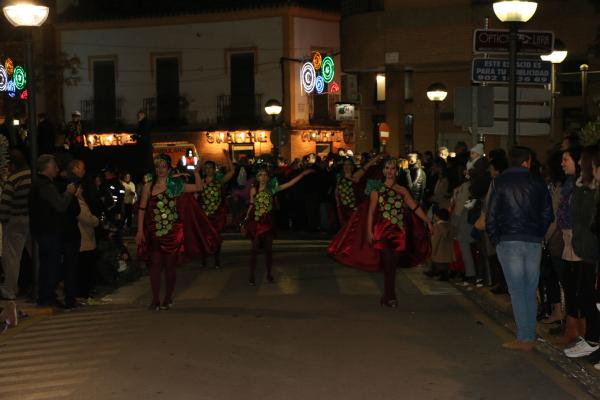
point(396, 49)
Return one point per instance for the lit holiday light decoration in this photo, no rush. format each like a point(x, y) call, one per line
point(8, 64)
point(308, 76)
point(19, 77)
point(24, 95)
point(334, 87)
point(11, 88)
point(327, 69)
point(320, 84)
point(317, 60)
point(3, 79)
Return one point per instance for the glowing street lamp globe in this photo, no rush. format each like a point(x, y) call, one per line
point(437, 92)
point(25, 13)
point(558, 55)
point(514, 10)
point(273, 107)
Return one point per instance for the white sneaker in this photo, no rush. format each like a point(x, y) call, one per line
point(580, 349)
point(597, 366)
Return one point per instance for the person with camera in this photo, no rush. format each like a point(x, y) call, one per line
point(50, 210)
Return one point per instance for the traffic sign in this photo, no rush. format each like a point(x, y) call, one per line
point(495, 70)
point(497, 41)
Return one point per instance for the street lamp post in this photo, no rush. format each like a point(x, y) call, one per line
point(557, 56)
point(28, 14)
point(273, 108)
point(436, 92)
point(514, 12)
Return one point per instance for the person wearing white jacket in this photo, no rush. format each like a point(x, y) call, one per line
point(87, 252)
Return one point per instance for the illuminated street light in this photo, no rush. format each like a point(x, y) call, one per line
point(557, 56)
point(513, 12)
point(25, 13)
point(273, 108)
point(437, 93)
point(28, 14)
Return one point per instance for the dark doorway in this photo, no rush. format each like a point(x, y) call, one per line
point(105, 101)
point(377, 119)
point(167, 91)
point(243, 101)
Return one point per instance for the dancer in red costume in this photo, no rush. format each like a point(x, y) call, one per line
point(258, 225)
point(348, 188)
point(375, 236)
point(212, 201)
point(171, 225)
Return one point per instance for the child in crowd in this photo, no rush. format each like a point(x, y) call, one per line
point(442, 244)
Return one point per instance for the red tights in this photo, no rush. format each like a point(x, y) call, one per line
point(267, 244)
point(159, 261)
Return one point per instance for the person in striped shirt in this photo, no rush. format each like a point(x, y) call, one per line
point(14, 216)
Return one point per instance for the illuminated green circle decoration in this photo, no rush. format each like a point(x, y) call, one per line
point(19, 77)
point(327, 69)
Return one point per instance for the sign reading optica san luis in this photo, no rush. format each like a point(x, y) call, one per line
point(13, 79)
point(497, 41)
point(316, 75)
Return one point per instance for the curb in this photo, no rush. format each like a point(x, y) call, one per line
point(499, 309)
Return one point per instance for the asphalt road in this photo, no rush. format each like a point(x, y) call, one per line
point(318, 333)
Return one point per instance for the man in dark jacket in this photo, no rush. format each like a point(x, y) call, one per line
point(416, 177)
point(518, 215)
point(46, 208)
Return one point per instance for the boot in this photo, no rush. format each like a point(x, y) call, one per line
point(9, 314)
point(571, 331)
point(556, 316)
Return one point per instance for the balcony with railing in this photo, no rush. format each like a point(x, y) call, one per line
point(322, 109)
point(237, 111)
point(166, 113)
point(102, 114)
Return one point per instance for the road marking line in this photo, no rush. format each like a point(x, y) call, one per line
point(9, 372)
point(73, 350)
point(53, 394)
point(286, 282)
point(75, 371)
point(61, 358)
point(429, 287)
point(29, 386)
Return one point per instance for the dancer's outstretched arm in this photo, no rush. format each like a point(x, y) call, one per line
point(292, 182)
point(359, 173)
point(139, 237)
point(230, 168)
point(413, 205)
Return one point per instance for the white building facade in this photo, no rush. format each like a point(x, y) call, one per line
point(206, 74)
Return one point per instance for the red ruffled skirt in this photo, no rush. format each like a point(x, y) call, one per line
point(257, 229)
point(344, 214)
point(191, 236)
point(350, 246)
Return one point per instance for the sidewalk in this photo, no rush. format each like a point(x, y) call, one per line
point(499, 308)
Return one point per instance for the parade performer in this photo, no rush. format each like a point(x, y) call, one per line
point(212, 200)
point(171, 227)
point(376, 234)
point(258, 225)
point(347, 191)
